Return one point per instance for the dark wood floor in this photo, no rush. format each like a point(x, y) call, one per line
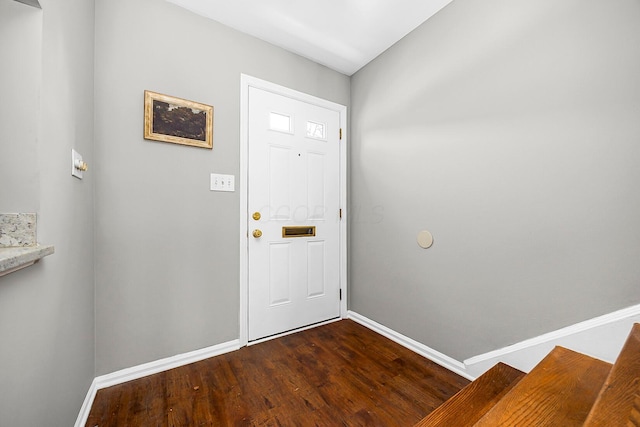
point(341, 374)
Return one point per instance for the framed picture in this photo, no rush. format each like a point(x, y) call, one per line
point(171, 119)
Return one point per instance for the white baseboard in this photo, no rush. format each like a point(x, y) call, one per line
point(423, 350)
point(150, 368)
point(81, 421)
point(601, 337)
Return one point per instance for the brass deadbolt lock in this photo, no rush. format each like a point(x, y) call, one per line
point(257, 216)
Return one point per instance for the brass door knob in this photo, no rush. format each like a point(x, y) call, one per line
point(257, 233)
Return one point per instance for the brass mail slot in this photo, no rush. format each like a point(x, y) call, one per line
point(299, 231)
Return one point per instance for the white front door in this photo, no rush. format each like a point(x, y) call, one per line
point(293, 214)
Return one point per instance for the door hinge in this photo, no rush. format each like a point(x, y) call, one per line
point(340, 134)
point(340, 213)
point(340, 294)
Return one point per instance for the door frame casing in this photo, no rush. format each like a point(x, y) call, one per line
point(246, 82)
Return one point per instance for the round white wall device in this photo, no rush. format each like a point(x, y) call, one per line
point(425, 239)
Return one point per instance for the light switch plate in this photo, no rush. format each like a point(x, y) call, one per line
point(220, 182)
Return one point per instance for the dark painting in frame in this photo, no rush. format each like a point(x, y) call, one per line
point(177, 120)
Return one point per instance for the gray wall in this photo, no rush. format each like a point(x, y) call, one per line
point(511, 130)
point(46, 311)
point(21, 56)
point(167, 268)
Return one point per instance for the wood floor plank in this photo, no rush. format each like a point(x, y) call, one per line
point(341, 374)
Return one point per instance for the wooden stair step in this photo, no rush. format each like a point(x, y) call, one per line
point(476, 399)
point(619, 401)
point(559, 391)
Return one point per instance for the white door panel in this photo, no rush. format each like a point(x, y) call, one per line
point(294, 181)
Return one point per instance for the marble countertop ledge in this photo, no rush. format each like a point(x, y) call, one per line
point(16, 258)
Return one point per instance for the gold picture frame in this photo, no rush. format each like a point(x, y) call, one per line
point(177, 120)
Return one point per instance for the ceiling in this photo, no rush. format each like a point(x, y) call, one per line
point(343, 35)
